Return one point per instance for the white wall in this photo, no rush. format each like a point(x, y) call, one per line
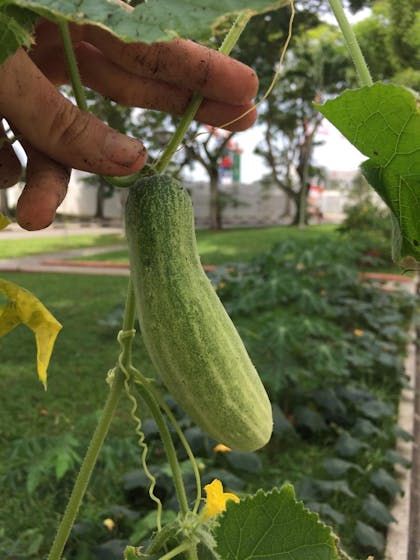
point(257, 205)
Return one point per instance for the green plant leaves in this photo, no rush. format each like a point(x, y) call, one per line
point(157, 20)
point(383, 122)
point(273, 526)
point(384, 481)
point(367, 536)
point(16, 26)
point(377, 511)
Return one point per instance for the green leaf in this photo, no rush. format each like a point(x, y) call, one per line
point(273, 526)
point(348, 446)
point(311, 487)
point(157, 20)
point(383, 480)
point(376, 409)
point(338, 467)
point(243, 461)
point(369, 537)
point(16, 27)
point(383, 122)
point(325, 510)
point(377, 511)
point(396, 458)
point(365, 428)
point(310, 419)
point(402, 434)
point(281, 426)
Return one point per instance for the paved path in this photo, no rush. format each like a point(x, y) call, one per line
point(13, 231)
point(44, 262)
point(55, 262)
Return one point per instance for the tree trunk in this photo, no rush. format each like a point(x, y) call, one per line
point(4, 203)
point(100, 201)
point(215, 206)
point(300, 198)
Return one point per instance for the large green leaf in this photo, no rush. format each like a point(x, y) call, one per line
point(383, 122)
point(156, 20)
point(273, 526)
point(16, 26)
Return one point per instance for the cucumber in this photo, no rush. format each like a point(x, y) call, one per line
point(191, 340)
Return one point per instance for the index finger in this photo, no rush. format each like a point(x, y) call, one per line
point(183, 63)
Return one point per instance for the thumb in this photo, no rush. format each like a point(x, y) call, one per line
point(55, 127)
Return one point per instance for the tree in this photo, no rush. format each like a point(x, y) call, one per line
point(316, 66)
point(393, 30)
point(208, 149)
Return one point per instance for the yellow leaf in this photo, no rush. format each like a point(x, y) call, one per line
point(216, 499)
point(8, 319)
point(24, 307)
point(4, 222)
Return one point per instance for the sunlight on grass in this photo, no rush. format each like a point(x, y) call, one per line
point(15, 248)
point(218, 247)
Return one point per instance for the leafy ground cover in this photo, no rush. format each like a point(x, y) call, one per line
point(329, 347)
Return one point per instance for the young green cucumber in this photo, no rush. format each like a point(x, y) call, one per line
point(191, 340)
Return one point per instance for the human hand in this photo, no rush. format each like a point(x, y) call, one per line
point(57, 136)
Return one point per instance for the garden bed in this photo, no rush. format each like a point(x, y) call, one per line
point(330, 347)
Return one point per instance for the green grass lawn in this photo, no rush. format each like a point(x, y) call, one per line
point(218, 247)
point(14, 248)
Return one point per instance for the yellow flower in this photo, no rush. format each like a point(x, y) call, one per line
point(358, 332)
point(216, 499)
point(300, 266)
point(109, 523)
point(221, 448)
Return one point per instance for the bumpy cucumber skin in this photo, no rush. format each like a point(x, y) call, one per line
point(191, 340)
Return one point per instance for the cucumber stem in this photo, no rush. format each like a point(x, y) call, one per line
point(98, 437)
point(225, 48)
point(76, 82)
point(168, 444)
point(353, 46)
point(86, 469)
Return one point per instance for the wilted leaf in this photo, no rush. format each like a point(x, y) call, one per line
point(4, 221)
point(24, 307)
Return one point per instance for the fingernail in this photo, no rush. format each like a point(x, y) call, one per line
point(123, 150)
